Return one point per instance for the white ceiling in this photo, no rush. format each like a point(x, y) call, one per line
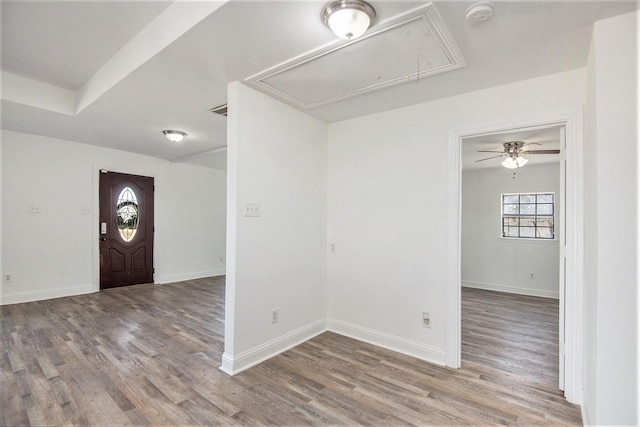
point(411, 46)
point(119, 72)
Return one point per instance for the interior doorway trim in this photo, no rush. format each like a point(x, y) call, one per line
point(572, 121)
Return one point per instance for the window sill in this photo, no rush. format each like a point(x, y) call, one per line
point(529, 240)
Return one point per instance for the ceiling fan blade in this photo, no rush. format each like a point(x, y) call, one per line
point(492, 157)
point(486, 151)
point(541, 152)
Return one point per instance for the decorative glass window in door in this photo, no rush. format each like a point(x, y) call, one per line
point(127, 214)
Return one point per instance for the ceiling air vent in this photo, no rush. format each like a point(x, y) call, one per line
point(221, 109)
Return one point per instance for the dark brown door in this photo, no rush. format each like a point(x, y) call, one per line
point(125, 229)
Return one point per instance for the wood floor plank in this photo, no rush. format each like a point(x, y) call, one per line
point(149, 355)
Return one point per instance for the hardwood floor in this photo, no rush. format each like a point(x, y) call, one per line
point(511, 336)
point(149, 355)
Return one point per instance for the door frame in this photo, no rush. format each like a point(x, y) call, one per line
point(97, 167)
point(573, 345)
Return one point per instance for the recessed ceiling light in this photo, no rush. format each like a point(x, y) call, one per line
point(174, 135)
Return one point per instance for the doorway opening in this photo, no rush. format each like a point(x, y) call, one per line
point(126, 229)
point(569, 241)
point(512, 226)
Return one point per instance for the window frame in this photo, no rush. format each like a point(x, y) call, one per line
point(535, 216)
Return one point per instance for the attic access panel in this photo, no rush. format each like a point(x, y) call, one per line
point(405, 49)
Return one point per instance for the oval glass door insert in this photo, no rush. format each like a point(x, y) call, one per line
point(127, 214)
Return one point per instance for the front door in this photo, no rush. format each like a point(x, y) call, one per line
point(125, 229)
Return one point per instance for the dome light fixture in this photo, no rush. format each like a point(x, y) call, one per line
point(348, 19)
point(174, 135)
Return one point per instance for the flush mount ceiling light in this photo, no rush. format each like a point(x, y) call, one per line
point(174, 135)
point(348, 19)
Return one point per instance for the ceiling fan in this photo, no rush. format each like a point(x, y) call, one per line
point(513, 151)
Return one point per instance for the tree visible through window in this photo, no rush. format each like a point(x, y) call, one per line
point(528, 216)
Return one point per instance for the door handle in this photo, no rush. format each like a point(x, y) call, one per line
point(103, 239)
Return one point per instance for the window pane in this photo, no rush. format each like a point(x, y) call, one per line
point(527, 198)
point(527, 232)
point(544, 233)
point(511, 221)
point(509, 231)
point(511, 209)
point(545, 209)
point(545, 198)
point(527, 209)
point(513, 198)
point(528, 221)
point(545, 222)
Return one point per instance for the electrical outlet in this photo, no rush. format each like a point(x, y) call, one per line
point(275, 315)
point(426, 320)
point(34, 209)
point(332, 248)
point(252, 209)
point(7, 278)
point(532, 276)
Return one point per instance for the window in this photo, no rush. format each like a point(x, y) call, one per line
point(127, 214)
point(528, 216)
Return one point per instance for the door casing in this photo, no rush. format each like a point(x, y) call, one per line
point(573, 203)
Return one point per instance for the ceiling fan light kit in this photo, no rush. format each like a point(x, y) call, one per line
point(513, 151)
point(348, 19)
point(174, 135)
point(514, 162)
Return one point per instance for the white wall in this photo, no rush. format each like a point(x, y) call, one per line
point(276, 157)
point(611, 225)
point(387, 204)
point(53, 253)
point(499, 264)
point(590, 243)
point(1, 270)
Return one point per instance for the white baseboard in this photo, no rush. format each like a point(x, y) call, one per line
point(233, 365)
point(511, 289)
point(39, 295)
point(20, 297)
point(391, 342)
point(236, 364)
point(171, 278)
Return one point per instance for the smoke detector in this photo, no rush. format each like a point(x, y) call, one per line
point(479, 12)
